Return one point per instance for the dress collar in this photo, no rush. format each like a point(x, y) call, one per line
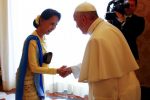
point(129, 16)
point(41, 39)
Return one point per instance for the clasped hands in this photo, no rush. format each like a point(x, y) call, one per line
point(64, 71)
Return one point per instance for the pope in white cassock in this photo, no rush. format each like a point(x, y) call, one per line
point(108, 65)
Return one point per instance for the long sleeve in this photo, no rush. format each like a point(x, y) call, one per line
point(33, 62)
point(76, 70)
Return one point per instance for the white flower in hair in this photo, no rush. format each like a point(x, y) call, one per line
point(37, 19)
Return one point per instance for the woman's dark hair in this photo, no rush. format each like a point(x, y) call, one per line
point(46, 14)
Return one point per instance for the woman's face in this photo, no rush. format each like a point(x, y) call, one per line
point(48, 25)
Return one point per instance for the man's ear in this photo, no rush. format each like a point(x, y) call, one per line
point(84, 19)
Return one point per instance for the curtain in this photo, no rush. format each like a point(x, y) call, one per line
point(6, 47)
point(66, 42)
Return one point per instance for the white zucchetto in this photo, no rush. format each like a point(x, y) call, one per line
point(85, 7)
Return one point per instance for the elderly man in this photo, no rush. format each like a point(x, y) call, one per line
point(108, 65)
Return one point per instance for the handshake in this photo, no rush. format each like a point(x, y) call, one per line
point(64, 71)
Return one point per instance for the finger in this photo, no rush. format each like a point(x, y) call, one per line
point(64, 66)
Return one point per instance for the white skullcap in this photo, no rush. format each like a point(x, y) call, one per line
point(85, 7)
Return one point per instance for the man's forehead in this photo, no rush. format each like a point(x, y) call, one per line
point(76, 14)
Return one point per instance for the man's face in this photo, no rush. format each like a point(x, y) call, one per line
point(131, 8)
point(80, 22)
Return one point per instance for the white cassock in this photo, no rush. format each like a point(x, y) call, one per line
point(108, 65)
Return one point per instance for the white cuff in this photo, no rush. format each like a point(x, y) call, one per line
point(76, 70)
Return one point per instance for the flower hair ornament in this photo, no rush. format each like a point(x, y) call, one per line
point(37, 19)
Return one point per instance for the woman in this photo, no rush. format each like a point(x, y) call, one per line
point(32, 66)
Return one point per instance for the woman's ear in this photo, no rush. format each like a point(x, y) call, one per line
point(40, 20)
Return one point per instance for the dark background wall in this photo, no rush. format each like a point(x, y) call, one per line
point(143, 42)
